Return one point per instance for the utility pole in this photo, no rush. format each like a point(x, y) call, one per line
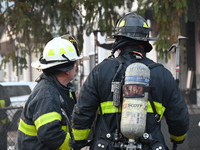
point(176, 46)
point(96, 49)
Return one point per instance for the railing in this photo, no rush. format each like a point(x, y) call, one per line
point(8, 131)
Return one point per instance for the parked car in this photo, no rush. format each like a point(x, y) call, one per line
point(19, 93)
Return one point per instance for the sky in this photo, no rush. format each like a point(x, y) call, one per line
point(4, 5)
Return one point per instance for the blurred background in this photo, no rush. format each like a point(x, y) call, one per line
point(26, 26)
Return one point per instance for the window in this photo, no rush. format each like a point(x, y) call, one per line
point(18, 90)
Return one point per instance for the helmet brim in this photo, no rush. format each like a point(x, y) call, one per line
point(136, 38)
point(38, 65)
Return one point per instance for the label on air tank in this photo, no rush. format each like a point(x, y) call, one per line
point(137, 79)
point(134, 112)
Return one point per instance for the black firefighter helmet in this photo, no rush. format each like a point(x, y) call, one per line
point(133, 26)
point(132, 29)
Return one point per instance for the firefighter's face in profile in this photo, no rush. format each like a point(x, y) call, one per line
point(119, 51)
point(73, 72)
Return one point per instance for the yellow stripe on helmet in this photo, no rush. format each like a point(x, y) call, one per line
point(122, 23)
point(51, 52)
point(2, 103)
point(62, 51)
point(145, 25)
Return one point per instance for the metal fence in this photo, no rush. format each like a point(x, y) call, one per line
point(8, 132)
point(191, 142)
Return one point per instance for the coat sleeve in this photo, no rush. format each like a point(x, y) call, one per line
point(85, 110)
point(106, 46)
point(176, 114)
point(4, 97)
point(48, 119)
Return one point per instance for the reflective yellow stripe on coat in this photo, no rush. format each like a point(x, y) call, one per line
point(31, 130)
point(178, 138)
point(81, 134)
point(47, 118)
point(160, 109)
point(27, 129)
point(108, 107)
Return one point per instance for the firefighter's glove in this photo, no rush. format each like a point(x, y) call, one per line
point(77, 145)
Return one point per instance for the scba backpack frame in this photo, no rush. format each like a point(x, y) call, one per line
point(131, 83)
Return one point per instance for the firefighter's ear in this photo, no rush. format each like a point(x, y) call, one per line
point(67, 72)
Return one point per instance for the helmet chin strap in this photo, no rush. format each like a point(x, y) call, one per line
point(123, 42)
point(119, 43)
point(44, 61)
point(65, 57)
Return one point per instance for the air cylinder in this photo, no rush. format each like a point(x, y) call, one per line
point(135, 97)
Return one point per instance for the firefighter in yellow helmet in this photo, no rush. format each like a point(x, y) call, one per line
point(42, 125)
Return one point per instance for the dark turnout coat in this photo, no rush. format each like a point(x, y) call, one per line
point(4, 102)
point(42, 125)
point(96, 92)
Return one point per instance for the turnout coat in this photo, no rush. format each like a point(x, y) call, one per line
point(42, 125)
point(96, 93)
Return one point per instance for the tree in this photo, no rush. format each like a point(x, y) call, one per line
point(31, 23)
point(167, 15)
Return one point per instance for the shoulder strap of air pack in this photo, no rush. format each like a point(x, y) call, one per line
point(157, 116)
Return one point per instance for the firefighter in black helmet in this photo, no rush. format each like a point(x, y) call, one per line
point(96, 99)
point(132, 27)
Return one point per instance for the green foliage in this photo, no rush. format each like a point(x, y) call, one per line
point(102, 15)
point(32, 23)
point(167, 15)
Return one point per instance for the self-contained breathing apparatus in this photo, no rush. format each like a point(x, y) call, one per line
point(130, 87)
point(133, 87)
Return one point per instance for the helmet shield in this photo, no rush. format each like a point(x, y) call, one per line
point(133, 26)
